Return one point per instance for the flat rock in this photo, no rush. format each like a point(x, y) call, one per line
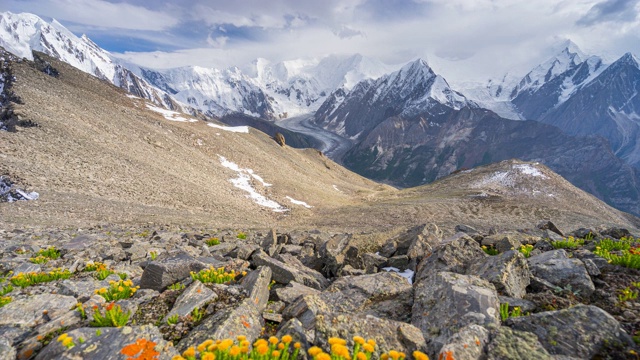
point(7, 351)
point(580, 331)
point(160, 274)
point(81, 290)
point(256, 283)
point(508, 344)
point(194, 296)
point(107, 345)
point(373, 262)
point(446, 302)
point(454, 254)
point(560, 270)
point(29, 312)
point(508, 272)
point(293, 291)
point(292, 270)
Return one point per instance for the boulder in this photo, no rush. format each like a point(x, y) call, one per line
point(560, 270)
point(615, 233)
point(507, 243)
point(107, 345)
point(292, 270)
point(454, 254)
point(256, 284)
point(466, 344)
point(337, 252)
point(195, 296)
point(447, 302)
point(508, 272)
point(508, 344)
point(294, 328)
point(7, 351)
point(36, 309)
point(548, 225)
point(279, 138)
point(373, 262)
point(293, 291)
point(160, 274)
point(580, 331)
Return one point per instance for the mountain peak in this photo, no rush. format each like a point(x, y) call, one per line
point(629, 59)
point(570, 48)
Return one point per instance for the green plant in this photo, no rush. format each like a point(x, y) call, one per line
point(103, 274)
point(213, 275)
point(172, 320)
point(589, 236)
point(123, 276)
point(505, 313)
point(27, 279)
point(80, 308)
point(117, 290)
point(66, 340)
point(627, 294)
point(81, 340)
point(6, 289)
point(490, 250)
point(113, 316)
point(526, 250)
point(273, 282)
point(4, 300)
point(568, 243)
point(153, 255)
point(43, 256)
point(212, 241)
point(197, 314)
point(241, 235)
point(176, 286)
point(94, 266)
point(616, 245)
point(98, 332)
point(567, 289)
point(628, 258)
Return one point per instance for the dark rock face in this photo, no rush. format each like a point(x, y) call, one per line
point(556, 268)
point(160, 274)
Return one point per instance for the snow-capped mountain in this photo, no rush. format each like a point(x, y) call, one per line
point(412, 90)
point(21, 34)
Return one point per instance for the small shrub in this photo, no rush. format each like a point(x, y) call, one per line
point(117, 290)
point(27, 279)
point(123, 276)
point(94, 266)
point(6, 289)
point(627, 294)
point(241, 235)
point(112, 317)
point(197, 314)
point(490, 250)
point(526, 250)
point(213, 275)
point(568, 243)
point(176, 286)
point(103, 274)
point(4, 300)
point(153, 255)
point(506, 314)
point(43, 256)
point(212, 241)
point(172, 320)
point(66, 341)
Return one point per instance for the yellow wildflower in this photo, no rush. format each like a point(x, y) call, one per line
point(177, 357)
point(287, 339)
point(62, 337)
point(235, 350)
point(358, 340)
point(368, 348)
point(323, 356)
point(208, 356)
point(361, 356)
point(262, 349)
point(394, 355)
point(273, 340)
point(336, 340)
point(241, 338)
point(275, 354)
point(190, 352)
point(314, 350)
point(418, 355)
point(296, 345)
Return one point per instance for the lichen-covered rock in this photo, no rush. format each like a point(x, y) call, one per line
point(508, 344)
point(7, 352)
point(446, 302)
point(293, 270)
point(36, 309)
point(256, 283)
point(337, 252)
point(307, 307)
point(508, 272)
point(244, 319)
point(81, 290)
point(467, 344)
point(580, 331)
point(560, 270)
point(195, 296)
point(373, 262)
point(160, 274)
point(454, 254)
point(293, 291)
point(389, 334)
point(294, 328)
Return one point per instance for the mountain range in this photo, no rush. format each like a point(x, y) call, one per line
point(405, 127)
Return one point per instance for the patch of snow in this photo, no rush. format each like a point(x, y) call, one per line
point(529, 170)
point(243, 182)
point(132, 96)
point(170, 115)
point(235, 129)
point(407, 274)
point(10, 193)
point(298, 202)
point(336, 188)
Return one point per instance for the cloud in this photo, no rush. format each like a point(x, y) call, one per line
point(346, 32)
point(610, 10)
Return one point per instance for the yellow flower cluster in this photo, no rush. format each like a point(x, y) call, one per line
point(95, 266)
point(32, 278)
point(117, 290)
point(241, 349)
point(66, 340)
point(213, 275)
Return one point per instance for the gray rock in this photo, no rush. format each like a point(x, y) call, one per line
point(223, 249)
point(27, 267)
point(399, 261)
point(195, 296)
point(292, 249)
point(446, 302)
point(512, 237)
point(373, 262)
point(160, 274)
point(306, 308)
point(81, 290)
point(556, 268)
point(256, 283)
point(469, 230)
point(273, 317)
point(423, 239)
point(548, 225)
point(293, 291)
point(294, 328)
point(508, 344)
point(348, 270)
point(81, 242)
point(466, 344)
point(455, 254)
point(507, 243)
point(245, 251)
point(36, 309)
point(7, 351)
point(293, 270)
point(592, 268)
point(228, 323)
point(508, 272)
point(525, 306)
point(580, 331)
point(389, 335)
point(107, 345)
point(338, 252)
point(270, 243)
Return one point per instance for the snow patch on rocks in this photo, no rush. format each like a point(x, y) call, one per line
point(243, 182)
point(235, 129)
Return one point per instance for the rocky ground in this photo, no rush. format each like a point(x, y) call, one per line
point(315, 285)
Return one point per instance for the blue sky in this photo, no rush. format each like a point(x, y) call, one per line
point(461, 38)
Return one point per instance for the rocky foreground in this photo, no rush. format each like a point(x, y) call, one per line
point(448, 297)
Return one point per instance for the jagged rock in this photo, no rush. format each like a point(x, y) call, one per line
point(7, 351)
point(446, 302)
point(525, 306)
point(507, 243)
point(508, 344)
point(508, 272)
point(615, 233)
point(279, 138)
point(306, 308)
point(348, 270)
point(194, 296)
point(223, 249)
point(36, 309)
point(294, 328)
point(513, 237)
point(293, 291)
point(580, 331)
point(548, 225)
point(466, 344)
point(160, 274)
point(256, 283)
point(543, 246)
point(245, 319)
point(592, 268)
point(270, 243)
point(107, 345)
point(338, 252)
point(398, 261)
point(244, 252)
point(388, 334)
point(454, 255)
point(292, 270)
point(292, 249)
point(81, 242)
point(583, 233)
point(373, 262)
point(469, 230)
point(556, 268)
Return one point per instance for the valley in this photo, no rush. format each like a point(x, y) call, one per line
point(333, 145)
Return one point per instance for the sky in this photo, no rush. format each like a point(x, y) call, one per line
point(461, 39)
